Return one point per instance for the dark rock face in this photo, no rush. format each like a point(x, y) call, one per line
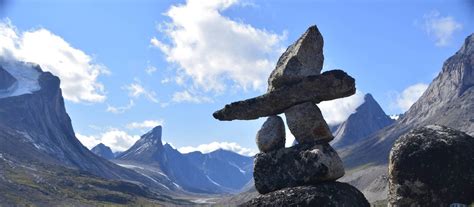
point(301, 59)
point(327, 86)
point(103, 151)
point(6, 80)
point(368, 119)
point(432, 166)
point(272, 134)
point(332, 194)
point(307, 124)
point(301, 164)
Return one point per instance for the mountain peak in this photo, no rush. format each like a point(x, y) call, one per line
point(368, 118)
point(103, 151)
point(149, 148)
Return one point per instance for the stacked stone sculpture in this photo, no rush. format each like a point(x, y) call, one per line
point(294, 88)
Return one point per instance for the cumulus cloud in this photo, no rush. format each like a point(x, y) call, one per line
point(410, 95)
point(147, 124)
point(231, 146)
point(186, 96)
point(120, 109)
point(136, 90)
point(440, 27)
point(116, 139)
point(76, 69)
point(337, 111)
point(215, 51)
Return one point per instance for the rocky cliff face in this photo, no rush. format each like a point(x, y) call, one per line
point(448, 101)
point(368, 118)
point(103, 151)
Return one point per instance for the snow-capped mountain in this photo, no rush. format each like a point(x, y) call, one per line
point(103, 151)
point(216, 172)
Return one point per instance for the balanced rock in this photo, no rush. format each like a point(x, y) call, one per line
point(6, 80)
point(302, 164)
point(307, 124)
point(327, 86)
point(272, 134)
point(432, 166)
point(332, 194)
point(303, 58)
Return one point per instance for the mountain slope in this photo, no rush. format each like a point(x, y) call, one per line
point(368, 118)
point(103, 151)
point(449, 101)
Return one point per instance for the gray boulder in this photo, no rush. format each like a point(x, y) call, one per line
point(303, 58)
point(272, 134)
point(432, 166)
point(327, 86)
point(307, 124)
point(331, 194)
point(302, 164)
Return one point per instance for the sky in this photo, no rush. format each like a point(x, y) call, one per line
point(126, 66)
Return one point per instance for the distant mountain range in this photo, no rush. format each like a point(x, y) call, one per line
point(220, 171)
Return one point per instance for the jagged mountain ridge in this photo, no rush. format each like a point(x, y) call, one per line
point(103, 151)
point(368, 118)
point(216, 172)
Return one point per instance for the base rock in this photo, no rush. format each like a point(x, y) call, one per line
point(432, 166)
point(323, 194)
point(302, 164)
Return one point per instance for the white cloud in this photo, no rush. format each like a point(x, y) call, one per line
point(440, 27)
point(337, 111)
point(120, 109)
point(116, 139)
point(76, 69)
point(186, 96)
point(214, 50)
point(231, 146)
point(150, 69)
point(410, 95)
point(136, 90)
point(147, 124)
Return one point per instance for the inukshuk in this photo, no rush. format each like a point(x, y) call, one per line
point(294, 88)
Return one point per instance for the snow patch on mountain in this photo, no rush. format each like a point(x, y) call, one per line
point(25, 74)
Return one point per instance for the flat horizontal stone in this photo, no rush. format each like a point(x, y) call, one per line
point(302, 164)
point(327, 86)
point(330, 194)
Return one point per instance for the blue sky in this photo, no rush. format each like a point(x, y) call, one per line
point(128, 65)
